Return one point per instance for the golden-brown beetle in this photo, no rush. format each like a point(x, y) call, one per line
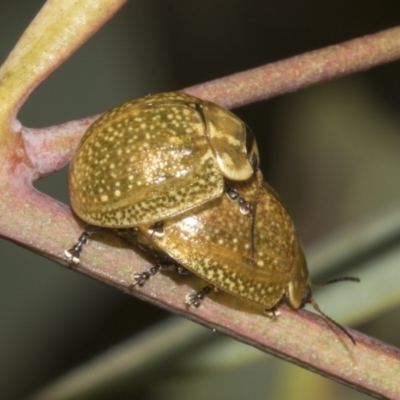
point(160, 165)
point(214, 242)
point(155, 157)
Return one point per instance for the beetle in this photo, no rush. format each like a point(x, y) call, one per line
point(214, 243)
point(158, 156)
point(155, 170)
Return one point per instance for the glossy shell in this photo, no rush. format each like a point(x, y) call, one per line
point(214, 242)
point(156, 157)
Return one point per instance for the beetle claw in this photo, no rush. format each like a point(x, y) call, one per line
point(172, 266)
point(194, 299)
point(180, 270)
point(142, 277)
point(245, 207)
point(72, 255)
point(272, 313)
point(232, 194)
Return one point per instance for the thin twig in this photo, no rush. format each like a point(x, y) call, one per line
point(302, 71)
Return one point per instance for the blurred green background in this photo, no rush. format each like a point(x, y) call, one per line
point(330, 151)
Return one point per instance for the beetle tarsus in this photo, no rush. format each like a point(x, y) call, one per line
point(157, 230)
point(245, 207)
point(194, 299)
point(73, 254)
point(272, 313)
point(232, 194)
point(180, 270)
point(142, 277)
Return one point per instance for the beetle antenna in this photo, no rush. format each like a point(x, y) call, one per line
point(335, 280)
point(316, 306)
point(254, 211)
point(333, 322)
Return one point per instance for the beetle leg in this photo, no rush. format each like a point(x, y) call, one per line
point(272, 313)
point(194, 299)
point(245, 206)
point(232, 193)
point(175, 268)
point(72, 255)
point(142, 277)
point(157, 230)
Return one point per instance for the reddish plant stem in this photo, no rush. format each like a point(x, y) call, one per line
point(301, 71)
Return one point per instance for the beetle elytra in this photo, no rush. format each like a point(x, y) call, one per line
point(214, 242)
point(155, 157)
